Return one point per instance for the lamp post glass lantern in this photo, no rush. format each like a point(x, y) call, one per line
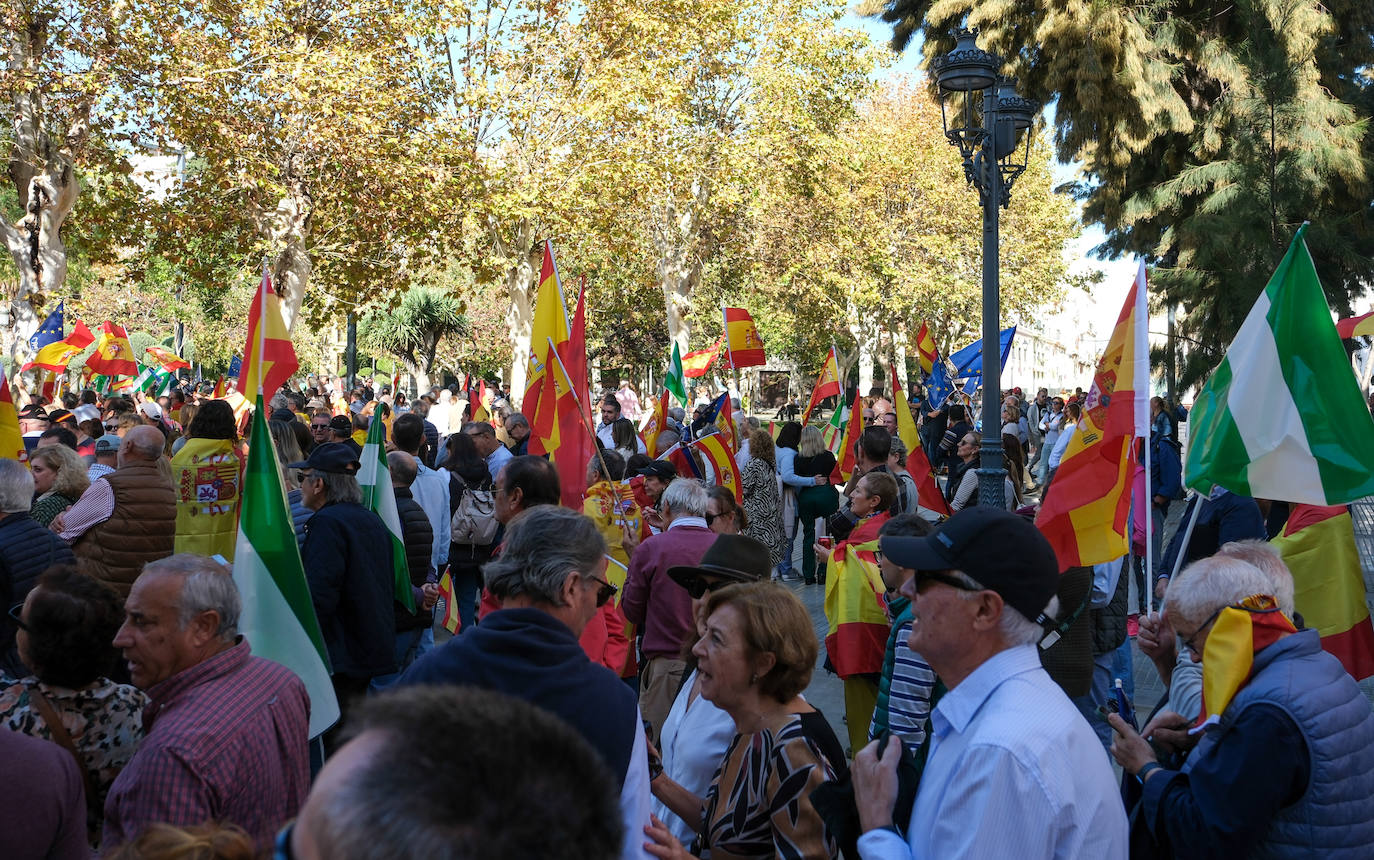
point(987, 140)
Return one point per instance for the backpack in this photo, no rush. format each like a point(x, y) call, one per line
point(474, 519)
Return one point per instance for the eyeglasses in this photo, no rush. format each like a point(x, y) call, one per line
point(925, 576)
point(605, 592)
point(15, 612)
point(1188, 643)
point(698, 587)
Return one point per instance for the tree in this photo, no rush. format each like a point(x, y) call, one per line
point(1207, 134)
point(413, 329)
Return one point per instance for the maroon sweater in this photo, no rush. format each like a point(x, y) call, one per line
point(652, 601)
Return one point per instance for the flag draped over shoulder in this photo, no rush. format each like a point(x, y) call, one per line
point(926, 352)
point(844, 457)
point(55, 356)
point(1356, 326)
point(1282, 416)
point(550, 325)
point(743, 346)
point(675, 380)
point(1085, 513)
point(1318, 545)
point(113, 356)
point(718, 452)
point(917, 463)
point(696, 364)
point(374, 478)
point(827, 385)
point(205, 475)
point(11, 440)
point(278, 618)
point(856, 637)
point(269, 358)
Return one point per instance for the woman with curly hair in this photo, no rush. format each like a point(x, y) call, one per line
point(59, 479)
point(67, 626)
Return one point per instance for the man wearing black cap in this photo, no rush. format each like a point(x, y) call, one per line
point(1013, 769)
point(347, 560)
point(341, 431)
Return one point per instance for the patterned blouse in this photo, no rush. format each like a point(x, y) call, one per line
point(759, 803)
point(48, 506)
point(763, 508)
point(105, 721)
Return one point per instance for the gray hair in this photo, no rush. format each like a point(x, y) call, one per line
point(543, 546)
point(278, 401)
point(686, 497)
point(16, 487)
point(1016, 629)
point(1265, 557)
point(899, 448)
point(677, 413)
point(340, 488)
point(517, 419)
point(1209, 584)
point(145, 441)
point(481, 428)
point(206, 587)
point(812, 442)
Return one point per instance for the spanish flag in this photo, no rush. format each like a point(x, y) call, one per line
point(743, 346)
point(656, 423)
point(167, 359)
point(1318, 545)
point(452, 621)
point(550, 326)
point(1085, 512)
point(568, 379)
point(696, 364)
point(917, 464)
point(718, 453)
point(57, 355)
point(11, 440)
point(925, 349)
point(269, 359)
point(1239, 633)
point(113, 356)
point(856, 639)
point(844, 458)
point(827, 385)
point(1356, 326)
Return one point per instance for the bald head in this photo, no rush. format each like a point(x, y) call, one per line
point(403, 468)
point(141, 444)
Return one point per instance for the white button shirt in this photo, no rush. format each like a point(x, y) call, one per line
point(1014, 771)
point(693, 742)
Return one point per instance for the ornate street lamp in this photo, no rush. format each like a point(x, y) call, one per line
point(987, 139)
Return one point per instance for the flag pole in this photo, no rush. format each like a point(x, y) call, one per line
point(262, 323)
point(586, 422)
point(1187, 535)
point(1149, 536)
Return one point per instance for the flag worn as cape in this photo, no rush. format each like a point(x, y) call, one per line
point(374, 478)
point(857, 623)
point(743, 346)
point(277, 616)
point(827, 385)
point(1238, 634)
point(269, 358)
point(1318, 545)
point(205, 475)
point(113, 356)
point(917, 463)
point(1085, 515)
point(1282, 417)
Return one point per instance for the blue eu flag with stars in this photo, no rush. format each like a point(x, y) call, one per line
point(50, 331)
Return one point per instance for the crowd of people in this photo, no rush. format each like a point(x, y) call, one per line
point(629, 679)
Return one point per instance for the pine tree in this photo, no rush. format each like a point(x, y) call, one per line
point(1207, 133)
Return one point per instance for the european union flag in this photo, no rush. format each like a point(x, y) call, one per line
point(50, 331)
point(969, 360)
point(235, 367)
point(938, 385)
point(721, 405)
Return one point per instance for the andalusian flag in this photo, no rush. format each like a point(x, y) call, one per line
point(675, 380)
point(917, 463)
point(743, 346)
point(11, 440)
point(277, 617)
point(696, 364)
point(717, 451)
point(844, 456)
point(1356, 326)
point(113, 356)
point(375, 480)
point(1085, 515)
point(57, 355)
point(269, 359)
point(1318, 545)
point(452, 621)
point(833, 432)
point(926, 352)
point(1282, 417)
point(550, 325)
point(827, 385)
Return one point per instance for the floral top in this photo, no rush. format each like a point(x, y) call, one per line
point(105, 721)
point(759, 803)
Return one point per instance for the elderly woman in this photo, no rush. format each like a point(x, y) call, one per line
point(66, 627)
point(963, 481)
point(762, 504)
point(1291, 727)
point(59, 479)
point(754, 659)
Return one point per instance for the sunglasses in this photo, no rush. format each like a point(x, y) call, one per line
point(15, 612)
point(925, 576)
point(698, 587)
point(319, 426)
point(605, 592)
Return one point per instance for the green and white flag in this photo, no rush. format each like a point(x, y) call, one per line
point(1282, 417)
point(278, 618)
point(375, 479)
point(145, 377)
point(675, 381)
point(833, 432)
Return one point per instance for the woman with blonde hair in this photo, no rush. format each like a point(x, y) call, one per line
point(284, 440)
point(817, 501)
point(59, 479)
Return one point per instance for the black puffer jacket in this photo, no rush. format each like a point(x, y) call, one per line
point(1109, 622)
point(347, 558)
point(418, 535)
point(26, 550)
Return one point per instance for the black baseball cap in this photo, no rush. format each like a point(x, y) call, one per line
point(333, 457)
point(33, 410)
point(341, 424)
point(661, 469)
point(1006, 553)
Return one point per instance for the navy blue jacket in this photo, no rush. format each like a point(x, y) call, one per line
point(529, 654)
point(26, 550)
point(347, 558)
point(1226, 518)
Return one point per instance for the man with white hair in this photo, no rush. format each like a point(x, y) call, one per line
point(1013, 769)
point(226, 731)
point(26, 550)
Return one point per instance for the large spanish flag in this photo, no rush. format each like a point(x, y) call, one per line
point(11, 440)
point(576, 443)
point(743, 346)
point(827, 385)
point(716, 449)
point(696, 363)
point(550, 326)
point(269, 359)
point(113, 356)
point(917, 463)
point(856, 638)
point(925, 348)
point(57, 355)
point(1318, 545)
point(1085, 512)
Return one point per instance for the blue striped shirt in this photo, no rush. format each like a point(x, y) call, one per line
point(1014, 771)
point(908, 695)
